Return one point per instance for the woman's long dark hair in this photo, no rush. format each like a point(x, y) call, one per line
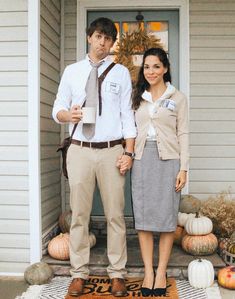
point(142, 84)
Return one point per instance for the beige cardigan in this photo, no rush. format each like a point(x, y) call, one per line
point(171, 130)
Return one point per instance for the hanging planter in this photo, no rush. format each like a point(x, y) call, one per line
point(201, 273)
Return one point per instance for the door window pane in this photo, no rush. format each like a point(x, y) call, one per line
point(159, 30)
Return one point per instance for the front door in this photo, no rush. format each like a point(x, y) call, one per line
point(165, 26)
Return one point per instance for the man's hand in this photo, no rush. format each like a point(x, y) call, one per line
point(124, 163)
point(180, 180)
point(75, 114)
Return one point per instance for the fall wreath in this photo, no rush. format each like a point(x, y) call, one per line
point(131, 44)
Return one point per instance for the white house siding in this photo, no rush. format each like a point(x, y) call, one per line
point(50, 131)
point(14, 204)
point(212, 100)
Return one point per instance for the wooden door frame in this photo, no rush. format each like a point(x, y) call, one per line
point(83, 6)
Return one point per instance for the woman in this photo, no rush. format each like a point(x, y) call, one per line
point(161, 161)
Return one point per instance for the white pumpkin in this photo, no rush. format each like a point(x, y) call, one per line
point(92, 239)
point(201, 273)
point(200, 225)
point(183, 217)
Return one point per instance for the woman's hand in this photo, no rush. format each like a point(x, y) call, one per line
point(180, 180)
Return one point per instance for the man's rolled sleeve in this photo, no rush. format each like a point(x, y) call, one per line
point(127, 114)
point(63, 97)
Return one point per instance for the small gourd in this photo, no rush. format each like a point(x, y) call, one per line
point(58, 247)
point(183, 217)
point(224, 243)
point(201, 273)
point(226, 277)
point(231, 248)
point(200, 245)
point(199, 225)
point(38, 273)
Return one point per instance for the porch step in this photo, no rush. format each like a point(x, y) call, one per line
point(177, 266)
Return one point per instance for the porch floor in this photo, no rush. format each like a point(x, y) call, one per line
point(177, 266)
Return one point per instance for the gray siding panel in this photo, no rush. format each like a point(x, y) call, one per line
point(14, 205)
point(70, 48)
point(212, 106)
point(50, 131)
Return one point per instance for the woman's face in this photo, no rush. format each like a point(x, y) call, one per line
point(154, 70)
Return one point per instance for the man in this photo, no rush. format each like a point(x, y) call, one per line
point(98, 157)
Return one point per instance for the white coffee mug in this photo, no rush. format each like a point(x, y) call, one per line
point(88, 115)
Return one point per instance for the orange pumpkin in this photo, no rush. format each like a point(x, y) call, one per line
point(226, 277)
point(200, 245)
point(178, 234)
point(58, 247)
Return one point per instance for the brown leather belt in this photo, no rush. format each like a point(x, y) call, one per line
point(105, 144)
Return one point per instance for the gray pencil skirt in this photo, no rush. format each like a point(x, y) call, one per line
point(155, 202)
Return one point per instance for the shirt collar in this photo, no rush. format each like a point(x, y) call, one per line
point(167, 94)
point(107, 58)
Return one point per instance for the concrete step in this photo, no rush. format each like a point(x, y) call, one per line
point(177, 266)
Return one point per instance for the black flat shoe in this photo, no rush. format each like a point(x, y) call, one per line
point(158, 292)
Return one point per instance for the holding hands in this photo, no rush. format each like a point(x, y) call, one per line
point(124, 163)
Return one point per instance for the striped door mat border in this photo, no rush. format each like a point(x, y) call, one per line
point(57, 289)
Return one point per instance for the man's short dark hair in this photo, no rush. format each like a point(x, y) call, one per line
point(103, 25)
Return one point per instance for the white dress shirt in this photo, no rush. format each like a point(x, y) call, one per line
point(117, 118)
point(153, 106)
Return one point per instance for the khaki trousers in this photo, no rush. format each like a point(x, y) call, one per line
point(85, 167)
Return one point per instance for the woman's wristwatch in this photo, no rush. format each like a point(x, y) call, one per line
point(132, 155)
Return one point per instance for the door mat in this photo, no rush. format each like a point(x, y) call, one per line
point(99, 288)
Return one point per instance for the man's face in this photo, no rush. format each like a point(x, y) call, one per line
point(100, 45)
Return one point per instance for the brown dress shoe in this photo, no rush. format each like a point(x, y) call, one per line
point(118, 287)
point(76, 287)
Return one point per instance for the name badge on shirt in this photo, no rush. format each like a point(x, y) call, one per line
point(169, 104)
point(112, 87)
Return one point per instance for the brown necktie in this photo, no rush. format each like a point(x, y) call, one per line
point(92, 97)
